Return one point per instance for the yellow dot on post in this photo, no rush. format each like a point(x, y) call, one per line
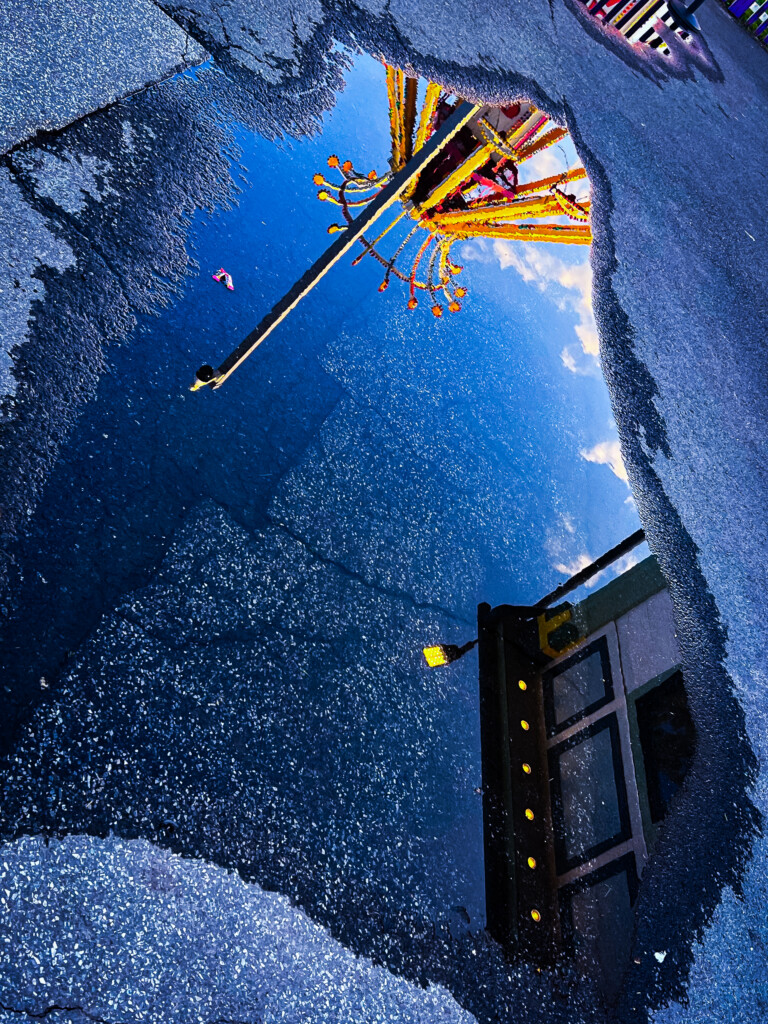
point(522, 684)
point(525, 725)
point(535, 915)
point(526, 768)
point(531, 862)
point(529, 814)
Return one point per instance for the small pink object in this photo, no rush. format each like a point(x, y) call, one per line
point(222, 276)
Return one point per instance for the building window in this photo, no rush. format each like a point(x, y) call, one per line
point(596, 920)
point(589, 798)
point(578, 687)
point(667, 740)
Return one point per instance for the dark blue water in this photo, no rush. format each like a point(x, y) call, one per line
point(225, 594)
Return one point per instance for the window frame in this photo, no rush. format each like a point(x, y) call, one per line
point(599, 646)
point(626, 864)
point(563, 862)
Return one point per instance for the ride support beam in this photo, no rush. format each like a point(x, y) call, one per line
point(544, 184)
point(431, 99)
point(575, 234)
point(379, 205)
point(541, 206)
point(543, 142)
point(409, 115)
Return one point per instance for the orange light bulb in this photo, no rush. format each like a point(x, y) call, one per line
point(525, 725)
point(529, 814)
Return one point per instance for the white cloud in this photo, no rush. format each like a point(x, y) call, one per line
point(626, 563)
point(567, 285)
point(587, 335)
point(549, 162)
point(557, 542)
point(575, 565)
point(607, 453)
point(575, 361)
point(581, 561)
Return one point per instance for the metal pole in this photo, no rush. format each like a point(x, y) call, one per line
point(590, 570)
point(684, 16)
point(526, 612)
point(379, 205)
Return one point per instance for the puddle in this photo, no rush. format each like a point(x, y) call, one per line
point(217, 602)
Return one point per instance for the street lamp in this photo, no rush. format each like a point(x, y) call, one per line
point(445, 654)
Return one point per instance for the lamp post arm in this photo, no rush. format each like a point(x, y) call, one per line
point(590, 570)
point(463, 113)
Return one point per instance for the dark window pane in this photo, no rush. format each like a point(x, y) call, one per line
point(589, 798)
point(667, 739)
point(599, 915)
point(578, 686)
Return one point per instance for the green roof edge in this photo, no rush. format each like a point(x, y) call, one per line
point(619, 596)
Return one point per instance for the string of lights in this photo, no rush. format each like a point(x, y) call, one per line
point(472, 192)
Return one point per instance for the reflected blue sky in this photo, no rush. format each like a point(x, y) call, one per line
point(385, 472)
point(529, 306)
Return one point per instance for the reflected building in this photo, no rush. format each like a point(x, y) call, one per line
point(586, 738)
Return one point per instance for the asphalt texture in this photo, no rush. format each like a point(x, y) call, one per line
point(676, 154)
point(60, 62)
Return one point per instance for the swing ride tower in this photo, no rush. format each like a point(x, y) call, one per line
point(458, 171)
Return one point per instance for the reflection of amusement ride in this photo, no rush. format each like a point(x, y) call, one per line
point(457, 171)
point(472, 189)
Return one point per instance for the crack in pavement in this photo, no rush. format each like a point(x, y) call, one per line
point(56, 1008)
point(392, 594)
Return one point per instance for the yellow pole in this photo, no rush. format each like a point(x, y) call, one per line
point(544, 184)
point(540, 206)
point(575, 234)
point(378, 206)
point(409, 115)
point(431, 99)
